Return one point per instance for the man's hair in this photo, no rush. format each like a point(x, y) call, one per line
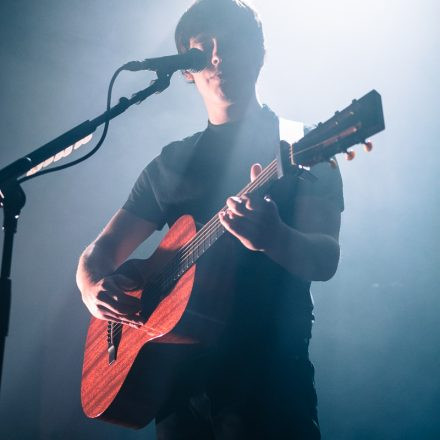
point(211, 16)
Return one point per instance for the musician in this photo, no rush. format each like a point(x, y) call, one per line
point(257, 382)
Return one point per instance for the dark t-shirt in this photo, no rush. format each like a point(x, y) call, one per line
point(273, 309)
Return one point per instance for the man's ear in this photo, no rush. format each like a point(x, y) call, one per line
point(188, 76)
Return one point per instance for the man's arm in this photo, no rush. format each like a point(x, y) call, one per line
point(101, 291)
point(309, 250)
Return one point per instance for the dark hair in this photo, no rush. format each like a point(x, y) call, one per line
point(209, 16)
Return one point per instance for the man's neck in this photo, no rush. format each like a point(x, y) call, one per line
point(218, 114)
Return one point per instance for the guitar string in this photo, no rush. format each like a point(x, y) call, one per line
point(212, 224)
point(264, 177)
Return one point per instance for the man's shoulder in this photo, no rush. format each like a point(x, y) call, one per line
point(181, 147)
point(174, 156)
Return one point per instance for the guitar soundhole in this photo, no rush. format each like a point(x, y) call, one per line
point(154, 292)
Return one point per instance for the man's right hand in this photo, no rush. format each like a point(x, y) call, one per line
point(107, 299)
point(104, 291)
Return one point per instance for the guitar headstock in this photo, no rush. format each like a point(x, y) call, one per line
point(350, 126)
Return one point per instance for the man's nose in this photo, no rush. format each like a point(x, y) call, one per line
point(215, 56)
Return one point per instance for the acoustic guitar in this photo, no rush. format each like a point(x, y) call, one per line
point(126, 377)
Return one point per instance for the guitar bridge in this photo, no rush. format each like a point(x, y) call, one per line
point(111, 354)
point(113, 338)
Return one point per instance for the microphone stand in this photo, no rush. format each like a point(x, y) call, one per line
point(12, 196)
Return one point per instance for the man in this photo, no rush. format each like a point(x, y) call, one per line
point(257, 382)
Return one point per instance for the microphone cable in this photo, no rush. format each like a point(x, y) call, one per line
point(95, 149)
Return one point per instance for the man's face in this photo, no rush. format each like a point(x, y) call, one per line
point(232, 70)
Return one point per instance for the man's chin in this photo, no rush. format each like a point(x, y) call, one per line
point(233, 92)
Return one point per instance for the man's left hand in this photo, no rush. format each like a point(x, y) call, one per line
point(253, 219)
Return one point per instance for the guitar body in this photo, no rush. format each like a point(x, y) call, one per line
point(107, 390)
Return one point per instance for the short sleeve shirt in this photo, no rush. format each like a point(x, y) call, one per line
point(195, 176)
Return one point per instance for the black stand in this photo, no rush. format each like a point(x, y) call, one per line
point(24, 164)
point(12, 197)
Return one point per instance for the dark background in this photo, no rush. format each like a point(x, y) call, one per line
point(376, 338)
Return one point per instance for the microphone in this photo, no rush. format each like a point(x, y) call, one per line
point(194, 60)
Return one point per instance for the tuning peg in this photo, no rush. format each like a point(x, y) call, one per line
point(333, 163)
point(350, 154)
point(368, 146)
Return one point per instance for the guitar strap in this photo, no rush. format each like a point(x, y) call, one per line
point(290, 131)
